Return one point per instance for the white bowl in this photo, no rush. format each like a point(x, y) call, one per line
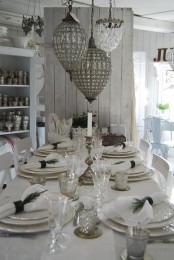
point(20, 42)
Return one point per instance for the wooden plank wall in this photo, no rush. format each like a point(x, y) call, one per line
point(63, 98)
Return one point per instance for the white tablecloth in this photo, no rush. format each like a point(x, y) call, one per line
point(109, 246)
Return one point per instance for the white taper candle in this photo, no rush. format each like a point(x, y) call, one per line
point(89, 127)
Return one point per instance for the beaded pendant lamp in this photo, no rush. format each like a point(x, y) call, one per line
point(69, 41)
point(109, 32)
point(93, 72)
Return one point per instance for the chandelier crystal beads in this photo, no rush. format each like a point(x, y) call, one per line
point(109, 32)
point(69, 41)
point(94, 70)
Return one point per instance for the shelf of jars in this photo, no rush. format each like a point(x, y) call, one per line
point(12, 85)
point(13, 107)
point(14, 132)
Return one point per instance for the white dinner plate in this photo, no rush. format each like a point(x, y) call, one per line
point(163, 215)
point(35, 215)
point(43, 171)
point(119, 155)
point(22, 227)
point(50, 176)
point(113, 150)
point(137, 169)
point(12, 221)
point(154, 232)
point(137, 177)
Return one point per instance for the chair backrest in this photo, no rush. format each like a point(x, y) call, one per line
point(145, 148)
point(164, 175)
point(22, 151)
point(6, 161)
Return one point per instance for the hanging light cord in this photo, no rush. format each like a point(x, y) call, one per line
point(110, 9)
point(70, 3)
point(92, 17)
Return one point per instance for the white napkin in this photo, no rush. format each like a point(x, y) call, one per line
point(37, 165)
point(125, 166)
point(38, 204)
point(123, 207)
point(119, 148)
point(58, 126)
point(65, 142)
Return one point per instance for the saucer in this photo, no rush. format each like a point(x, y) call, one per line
point(146, 256)
point(114, 188)
point(97, 233)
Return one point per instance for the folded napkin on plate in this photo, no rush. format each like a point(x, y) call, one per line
point(125, 166)
point(53, 160)
point(123, 207)
point(37, 204)
point(121, 147)
point(65, 143)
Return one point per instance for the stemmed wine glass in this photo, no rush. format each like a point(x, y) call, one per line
point(101, 175)
point(97, 148)
point(57, 208)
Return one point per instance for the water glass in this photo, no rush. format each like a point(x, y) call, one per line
point(101, 176)
point(97, 150)
point(57, 207)
point(136, 241)
point(68, 184)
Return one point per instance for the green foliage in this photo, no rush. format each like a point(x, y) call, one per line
point(163, 106)
point(81, 120)
point(31, 197)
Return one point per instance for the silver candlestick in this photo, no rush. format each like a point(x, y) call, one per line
point(86, 177)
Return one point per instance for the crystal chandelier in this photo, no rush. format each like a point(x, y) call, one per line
point(94, 70)
point(69, 41)
point(170, 57)
point(29, 22)
point(109, 32)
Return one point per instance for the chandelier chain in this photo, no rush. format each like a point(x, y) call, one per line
point(92, 17)
point(110, 9)
point(70, 3)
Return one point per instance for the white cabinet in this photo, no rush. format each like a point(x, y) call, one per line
point(14, 60)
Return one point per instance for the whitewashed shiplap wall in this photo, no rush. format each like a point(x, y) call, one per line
point(114, 104)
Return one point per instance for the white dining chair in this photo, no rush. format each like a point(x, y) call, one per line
point(6, 161)
point(145, 151)
point(22, 151)
point(163, 174)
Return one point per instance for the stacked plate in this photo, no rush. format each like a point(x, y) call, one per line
point(48, 173)
point(112, 152)
point(138, 173)
point(62, 147)
point(162, 224)
point(31, 222)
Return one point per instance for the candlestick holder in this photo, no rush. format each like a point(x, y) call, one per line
point(86, 177)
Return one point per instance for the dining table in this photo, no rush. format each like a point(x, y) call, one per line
point(110, 245)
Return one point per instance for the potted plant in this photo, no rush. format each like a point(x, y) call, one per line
point(163, 106)
point(79, 124)
point(81, 120)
